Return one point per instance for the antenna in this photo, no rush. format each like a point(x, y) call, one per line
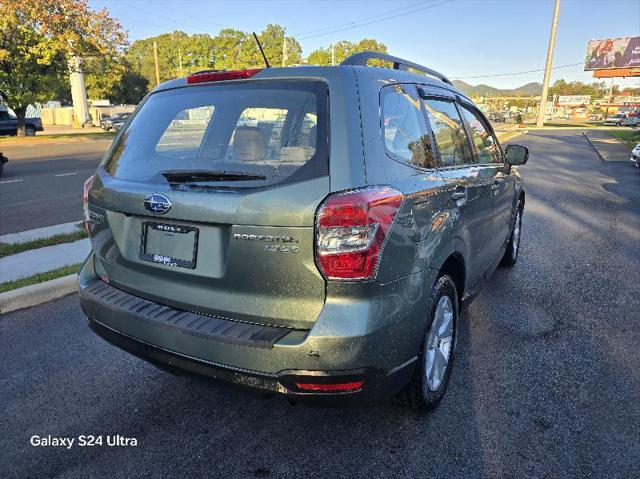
point(266, 62)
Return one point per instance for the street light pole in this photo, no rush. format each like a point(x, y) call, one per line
point(547, 69)
point(155, 60)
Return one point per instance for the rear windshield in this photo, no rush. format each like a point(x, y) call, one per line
point(274, 131)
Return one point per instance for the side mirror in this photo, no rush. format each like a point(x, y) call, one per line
point(516, 154)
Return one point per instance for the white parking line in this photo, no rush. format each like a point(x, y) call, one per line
point(11, 181)
point(67, 174)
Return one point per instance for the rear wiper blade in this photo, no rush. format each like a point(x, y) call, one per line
point(195, 176)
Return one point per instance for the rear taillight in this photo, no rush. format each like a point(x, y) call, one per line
point(85, 201)
point(220, 76)
point(351, 229)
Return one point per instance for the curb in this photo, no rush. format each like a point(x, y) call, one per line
point(510, 135)
point(37, 293)
point(594, 147)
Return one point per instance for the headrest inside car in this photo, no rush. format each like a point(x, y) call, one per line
point(249, 144)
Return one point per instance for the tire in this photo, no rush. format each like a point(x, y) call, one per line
point(510, 257)
point(1, 168)
point(427, 387)
point(29, 131)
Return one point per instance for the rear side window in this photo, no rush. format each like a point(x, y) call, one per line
point(403, 128)
point(486, 145)
point(272, 129)
point(448, 131)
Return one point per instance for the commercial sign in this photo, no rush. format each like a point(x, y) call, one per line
point(574, 100)
point(613, 53)
point(627, 100)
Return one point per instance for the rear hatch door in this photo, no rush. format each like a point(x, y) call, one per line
point(207, 201)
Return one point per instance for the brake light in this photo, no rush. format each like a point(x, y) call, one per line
point(328, 387)
point(221, 76)
point(85, 201)
point(351, 229)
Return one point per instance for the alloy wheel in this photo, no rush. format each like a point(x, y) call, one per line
point(439, 344)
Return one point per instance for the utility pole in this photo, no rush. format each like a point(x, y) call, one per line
point(609, 99)
point(180, 61)
point(155, 59)
point(333, 54)
point(78, 93)
point(284, 51)
point(547, 69)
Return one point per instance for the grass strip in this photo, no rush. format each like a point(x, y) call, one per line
point(40, 278)
point(9, 249)
point(629, 137)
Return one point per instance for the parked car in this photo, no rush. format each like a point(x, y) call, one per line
point(3, 160)
point(635, 155)
point(498, 117)
point(322, 253)
point(623, 119)
point(9, 124)
point(114, 122)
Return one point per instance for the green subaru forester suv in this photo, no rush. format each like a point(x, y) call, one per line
point(308, 231)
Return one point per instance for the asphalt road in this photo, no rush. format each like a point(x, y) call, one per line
point(42, 183)
point(546, 381)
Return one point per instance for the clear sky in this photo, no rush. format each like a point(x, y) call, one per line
point(461, 38)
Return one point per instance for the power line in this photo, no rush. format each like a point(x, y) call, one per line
point(360, 23)
point(516, 73)
point(351, 23)
point(172, 21)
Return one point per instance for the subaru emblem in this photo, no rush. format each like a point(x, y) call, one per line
point(157, 203)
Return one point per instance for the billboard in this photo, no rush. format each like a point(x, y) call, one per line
point(613, 53)
point(574, 100)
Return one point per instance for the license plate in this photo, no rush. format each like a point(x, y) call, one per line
point(171, 245)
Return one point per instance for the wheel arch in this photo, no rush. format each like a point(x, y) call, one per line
point(455, 267)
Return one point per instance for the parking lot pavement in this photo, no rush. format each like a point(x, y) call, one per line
point(546, 381)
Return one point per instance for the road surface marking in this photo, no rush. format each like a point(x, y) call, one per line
point(67, 174)
point(11, 181)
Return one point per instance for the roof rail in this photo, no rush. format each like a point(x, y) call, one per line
point(362, 58)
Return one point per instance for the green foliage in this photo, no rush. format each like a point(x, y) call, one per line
point(37, 40)
point(9, 249)
point(229, 50)
point(343, 49)
point(630, 137)
point(40, 278)
point(595, 89)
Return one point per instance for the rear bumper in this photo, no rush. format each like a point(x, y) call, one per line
point(376, 384)
point(252, 355)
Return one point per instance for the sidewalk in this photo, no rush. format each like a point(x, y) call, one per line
point(607, 147)
point(30, 268)
point(68, 130)
point(40, 233)
point(42, 260)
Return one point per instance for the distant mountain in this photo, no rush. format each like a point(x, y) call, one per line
point(530, 89)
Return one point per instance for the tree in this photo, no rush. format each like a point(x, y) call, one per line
point(38, 38)
point(595, 89)
point(345, 48)
point(230, 49)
